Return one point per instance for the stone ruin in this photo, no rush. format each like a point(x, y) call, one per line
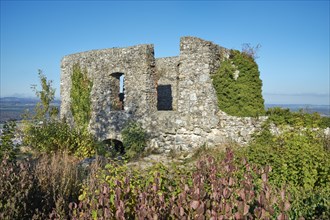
point(173, 97)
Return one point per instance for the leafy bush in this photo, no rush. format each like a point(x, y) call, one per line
point(47, 134)
point(7, 147)
point(299, 156)
point(56, 136)
point(212, 190)
point(16, 189)
point(300, 161)
point(238, 86)
point(325, 122)
point(284, 117)
point(134, 139)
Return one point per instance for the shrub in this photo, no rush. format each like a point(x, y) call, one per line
point(284, 117)
point(212, 190)
point(238, 86)
point(301, 162)
point(16, 189)
point(325, 122)
point(7, 146)
point(56, 136)
point(134, 139)
point(47, 134)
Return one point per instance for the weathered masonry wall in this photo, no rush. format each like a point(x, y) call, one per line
point(197, 97)
point(103, 66)
point(167, 74)
point(173, 97)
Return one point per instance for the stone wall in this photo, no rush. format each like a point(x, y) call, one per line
point(197, 98)
point(103, 66)
point(181, 87)
point(167, 73)
point(239, 129)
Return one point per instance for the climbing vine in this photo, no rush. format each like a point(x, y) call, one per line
point(238, 86)
point(80, 97)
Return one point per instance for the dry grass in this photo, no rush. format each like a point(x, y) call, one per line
point(40, 188)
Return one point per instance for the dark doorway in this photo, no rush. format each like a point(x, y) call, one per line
point(164, 97)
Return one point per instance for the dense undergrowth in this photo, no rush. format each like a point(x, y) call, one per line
point(284, 175)
point(281, 174)
point(40, 187)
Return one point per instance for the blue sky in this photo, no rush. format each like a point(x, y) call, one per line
point(294, 35)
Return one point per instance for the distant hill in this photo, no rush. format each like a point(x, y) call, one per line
point(22, 100)
point(323, 110)
point(12, 108)
point(17, 100)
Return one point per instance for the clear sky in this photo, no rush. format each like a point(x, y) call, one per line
point(294, 35)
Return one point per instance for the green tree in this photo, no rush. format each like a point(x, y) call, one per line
point(43, 110)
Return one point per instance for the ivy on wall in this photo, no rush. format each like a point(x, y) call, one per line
point(238, 86)
point(80, 97)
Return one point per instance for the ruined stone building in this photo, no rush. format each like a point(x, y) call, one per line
point(173, 97)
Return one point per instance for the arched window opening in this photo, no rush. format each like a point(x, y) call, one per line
point(118, 91)
point(114, 146)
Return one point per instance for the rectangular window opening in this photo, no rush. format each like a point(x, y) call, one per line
point(164, 98)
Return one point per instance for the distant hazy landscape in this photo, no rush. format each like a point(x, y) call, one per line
point(13, 107)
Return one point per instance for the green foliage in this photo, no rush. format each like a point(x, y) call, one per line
point(15, 186)
point(212, 190)
point(325, 122)
point(134, 139)
point(49, 135)
point(239, 95)
point(284, 117)
point(43, 109)
point(80, 97)
point(56, 136)
point(7, 147)
point(299, 156)
point(299, 160)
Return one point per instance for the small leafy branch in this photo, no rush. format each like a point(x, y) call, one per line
point(46, 95)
